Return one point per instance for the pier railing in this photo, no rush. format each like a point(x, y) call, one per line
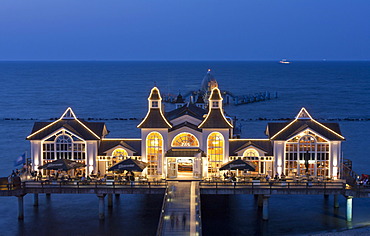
point(275, 187)
point(163, 213)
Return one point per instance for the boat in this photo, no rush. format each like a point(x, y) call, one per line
point(284, 61)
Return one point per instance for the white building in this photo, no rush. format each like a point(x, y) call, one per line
point(193, 142)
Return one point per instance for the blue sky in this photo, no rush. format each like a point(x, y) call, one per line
point(184, 30)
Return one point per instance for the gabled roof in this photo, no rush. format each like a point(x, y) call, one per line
point(303, 121)
point(180, 99)
point(84, 129)
point(188, 109)
point(236, 145)
point(215, 117)
point(133, 145)
point(185, 124)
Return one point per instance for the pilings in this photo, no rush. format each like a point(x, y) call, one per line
point(336, 202)
point(265, 207)
point(36, 199)
point(101, 206)
point(20, 207)
point(110, 200)
point(349, 208)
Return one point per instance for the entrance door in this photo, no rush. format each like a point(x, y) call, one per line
point(172, 169)
point(185, 167)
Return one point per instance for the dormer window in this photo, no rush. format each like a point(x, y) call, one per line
point(215, 104)
point(155, 104)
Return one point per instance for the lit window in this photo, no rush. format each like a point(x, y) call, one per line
point(251, 152)
point(119, 153)
point(215, 151)
point(63, 145)
point(154, 147)
point(185, 140)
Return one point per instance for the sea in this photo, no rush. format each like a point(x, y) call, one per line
point(116, 92)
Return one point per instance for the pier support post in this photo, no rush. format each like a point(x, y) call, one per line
point(20, 207)
point(48, 195)
point(36, 199)
point(260, 200)
point(110, 200)
point(349, 208)
point(117, 195)
point(336, 202)
point(101, 206)
point(326, 196)
point(265, 209)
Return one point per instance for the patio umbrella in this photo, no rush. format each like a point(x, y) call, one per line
point(238, 164)
point(130, 165)
point(62, 164)
point(306, 158)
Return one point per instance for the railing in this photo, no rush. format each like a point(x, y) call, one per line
point(275, 185)
point(163, 213)
point(93, 184)
point(198, 209)
point(348, 174)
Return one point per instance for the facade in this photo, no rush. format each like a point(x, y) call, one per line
point(191, 141)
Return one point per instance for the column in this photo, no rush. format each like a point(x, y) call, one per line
point(336, 202)
point(260, 200)
point(349, 208)
point(101, 206)
point(20, 207)
point(265, 209)
point(35, 199)
point(110, 200)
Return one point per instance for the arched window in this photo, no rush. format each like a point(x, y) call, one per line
point(119, 153)
point(154, 149)
point(215, 151)
point(307, 152)
point(63, 145)
point(251, 152)
point(185, 140)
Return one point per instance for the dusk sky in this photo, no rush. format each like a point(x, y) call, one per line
point(184, 30)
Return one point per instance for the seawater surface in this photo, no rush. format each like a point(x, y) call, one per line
point(40, 91)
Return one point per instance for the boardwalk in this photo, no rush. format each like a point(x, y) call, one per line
point(180, 213)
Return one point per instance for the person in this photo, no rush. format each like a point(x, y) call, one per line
point(276, 177)
point(225, 176)
point(267, 178)
point(183, 221)
point(98, 174)
point(39, 176)
point(13, 173)
point(283, 176)
point(132, 176)
point(16, 172)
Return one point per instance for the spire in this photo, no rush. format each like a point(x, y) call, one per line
point(215, 117)
point(155, 118)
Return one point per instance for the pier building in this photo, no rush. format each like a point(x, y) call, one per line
point(192, 142)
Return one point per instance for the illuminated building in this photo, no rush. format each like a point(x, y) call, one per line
point(193, 142)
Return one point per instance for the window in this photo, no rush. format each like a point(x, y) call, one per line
point(215, 104)
point(63, 145)
point(215, 151)
point(154, 148)
point(119, 153)
point(251, 152)
point(307, 152)
point(154, 104)
point(185, 140)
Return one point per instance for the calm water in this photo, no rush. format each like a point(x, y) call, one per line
point(108, 90)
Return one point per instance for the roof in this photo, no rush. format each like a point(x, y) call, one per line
point(236, 145)
point(215, 119)
point(184, 152)
point(133, 145)
point(154, 94)
point(185, 124)
point(83, 129)
point(200, 99)
point(180, 99)
point(215, 95)
point(303, 121)
point(286, 130)
point(154, 119)
point(188, 109)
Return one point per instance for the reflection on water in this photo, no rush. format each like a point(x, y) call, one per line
point(132, 214)
point(288, 215)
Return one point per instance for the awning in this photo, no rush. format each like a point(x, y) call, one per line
point(238, 164)
point(130, 165)
point(185, 152)
point(62, 164)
